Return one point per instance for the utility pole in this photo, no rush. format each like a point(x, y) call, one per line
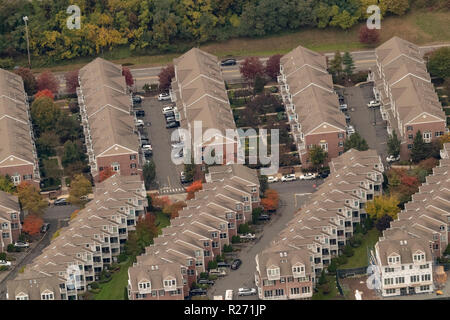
point(28, 41)
point(374, 117)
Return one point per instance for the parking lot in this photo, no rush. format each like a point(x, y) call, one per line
point(167, 173)
point(366, 121)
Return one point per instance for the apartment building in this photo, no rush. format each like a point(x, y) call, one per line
point(201, 99)
point(409, 102)
point(323, 225)
point(404, 256)
point(111, 136)
point(87, 246)
point(10, 227)
point(311, 104)
point(197, 236)
point(18, 157)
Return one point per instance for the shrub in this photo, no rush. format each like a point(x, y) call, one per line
point(273, 89)
point(447, 250)
point(204, 275)
point(243, 228)
point(341, 260)
point(3, 268)
point(94, 285)
point(325, 288)
point(122, 257)
point(227, 248)
point(348, 251)
point(11, 248)
point(356, 240)
point(235, 239)
point(2, 255)
point(6, 63)
point(332, 267)
point(323, 278)
point(212, 265)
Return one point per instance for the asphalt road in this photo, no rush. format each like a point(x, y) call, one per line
point(292, 195)
point(57, 216)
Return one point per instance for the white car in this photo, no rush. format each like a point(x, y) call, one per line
point(147, 147)
point(229, 295)
point(140, 123)
point(373, 103)
point(249, 236)
point(246, 291)
point(392, 158)
point(308, 176)
point(167, 109)
point(288, 177)
point(343, 107)
point(4, 263)
point(178, 145)
point(350, 130)
point(21, 244)
point(163, 96)
point(271, 179)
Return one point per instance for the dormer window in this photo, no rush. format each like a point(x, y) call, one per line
point(273, 272)
point(394, 259)
point(22, 296)
point(144, 285)
point(169, 283)
point(47, 295)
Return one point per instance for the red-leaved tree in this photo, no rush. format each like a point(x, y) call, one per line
point(32, 224)
point(193, 188)
point(105, 173)
point(128, 76)
point(160, 202)
point(165, 77)
point(273, 66)
point(271, 200)
point(251, 68)
point(71, 78)
point(29, 80)
point(47, 80)
point(368, 36)
point(44, 93)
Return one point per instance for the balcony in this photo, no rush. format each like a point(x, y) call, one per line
point(282, 297)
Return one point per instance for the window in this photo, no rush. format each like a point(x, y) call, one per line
point(144, 285)
point(115, 167)
point(426, 277)
point(295, 290)
point(409, 128)
point(306, 289)
point(324, 146)
point(132, 157)
point(391, 291)
point(47, 296)
point(414, 279)
point(5, 235)
point(388, 281)
point(340, 144)
point(427, 136)
point(340, 135)
point(399, 280)
point(268, 293)
point(279, 292)
point(27, 177)
point(214, 234)
point(5, 225)
point(223, 236)
point(410, 146)
point(424, 288)
point(16, 178)
point(410, 136)
point(133, 165)
point(169, 283)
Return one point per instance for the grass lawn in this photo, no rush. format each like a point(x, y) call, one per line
point(419, 26)
point(115, 289)
point(332, 295)
point(359, 259)
point(162, 221)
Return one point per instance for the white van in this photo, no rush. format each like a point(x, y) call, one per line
point(229, 295)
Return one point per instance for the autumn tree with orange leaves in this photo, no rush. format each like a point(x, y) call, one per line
point(271, 200)
point(172, 210)
point(44, 93)
point(193, 188)
point(32, 224)
point(160, 202)
point(106, 173)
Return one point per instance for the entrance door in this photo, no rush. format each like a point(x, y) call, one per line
point(412, 290)
point(403, 291)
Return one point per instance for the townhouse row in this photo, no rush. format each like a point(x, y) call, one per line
point(202, 107)
point(10, 226)
point(197, 236)
point(408, 100)
point(311, 104)
point(405, 255)
point(89, 244)
point(111, 136)
point(18, 157)
point(291, 265)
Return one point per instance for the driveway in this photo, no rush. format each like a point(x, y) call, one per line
point(292, 195)
point(167, 173)
point(367, 121)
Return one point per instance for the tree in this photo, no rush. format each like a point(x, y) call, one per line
point(72, 153)
point(347, 60)
point(149, 173)
point(128, 76)
point(67, 127)
point(44, 93)
point(47, 80)
point(146, 230)
point(420, 150)
point(51, 169)
point(398, 7)
point(165, 77)
point(335, 66)
point(44, 113)
point(189, 171)
point(348, 251)
point(383, 205)
point(32, 224)
point(29, 81)
point(439, 63)
point(30, 199)
point(258, 86)
point(47, 143)
point(368, 36)
point(172, 210)
point(256, 212)
point(322, 278)
point(71, 78)
point(355, 141)
point(105, 173)
point(317, 156)
point(80, 187)
point(393, 144)
point(271, 200)
point(383, 223)
point(263, 184)
point(273, 66)
point(194, 187)
point(250, 68)
point(160, 202)
point(6, 184)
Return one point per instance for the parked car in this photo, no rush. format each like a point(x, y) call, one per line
point(324, 174)
point(167, 110)
point(169, 114)
point(4, 263)
point(308, 176)
point(343, 107)
point(206, 281)
point(21, 244)
point(223, 265)
point(264, 217)
point(137, 99)
point(249, 236)
point(350, 130)
point(197, 292)
point(228, 62)
point(288, 177)
point(140, 113)
point(373, 103)
point(164, 97)
point(183, 178)
point(144, 141)
point(218, 272)
point(229, 294)
point(392, 158)
point(236, 264)
point(45, 227)
point(170, 119)
point(271, 179)
point(139, 123)
point(246, 291)
point(61, 202)
point(147, 147)
point(347, 117)
point(173, 124)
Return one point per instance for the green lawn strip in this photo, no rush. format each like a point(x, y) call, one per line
point(333, 294)
point(359, 259)
point(115, 288)
point(162, 220)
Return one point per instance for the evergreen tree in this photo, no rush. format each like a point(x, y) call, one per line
point(420, 149)
point(393, 144)
point(347, 60)
point(357, 142)
point(336, 64)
